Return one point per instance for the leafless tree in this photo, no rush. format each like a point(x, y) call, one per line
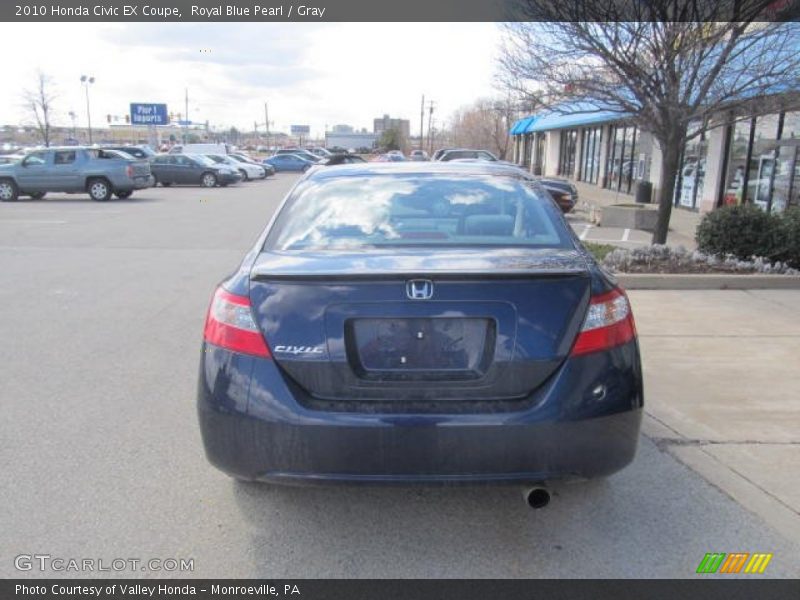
point(39, 104)
point(485, 124)
point(663, 63)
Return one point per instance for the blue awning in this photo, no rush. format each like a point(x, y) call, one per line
point(520, 126)
point(559, 120)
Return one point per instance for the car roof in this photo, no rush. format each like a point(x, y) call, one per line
point(420, 168)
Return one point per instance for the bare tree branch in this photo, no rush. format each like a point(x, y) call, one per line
point(663, 64)
point(39, 103)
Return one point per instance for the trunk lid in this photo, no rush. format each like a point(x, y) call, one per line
point(495, 324)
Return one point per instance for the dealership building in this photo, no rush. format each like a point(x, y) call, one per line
point(738, 158)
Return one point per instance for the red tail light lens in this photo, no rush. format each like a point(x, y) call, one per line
point(230, 325)
point(130, 171)
point(608, 323)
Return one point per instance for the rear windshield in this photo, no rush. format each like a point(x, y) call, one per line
point(346, 213)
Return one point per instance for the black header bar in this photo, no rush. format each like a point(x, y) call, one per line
point(316, 11)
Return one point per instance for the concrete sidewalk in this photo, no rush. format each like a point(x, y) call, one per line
point(592, 199)
point(722, 392)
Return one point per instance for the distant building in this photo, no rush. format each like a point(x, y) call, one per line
point(342, 129)
point(351, 140)
point(385, 123)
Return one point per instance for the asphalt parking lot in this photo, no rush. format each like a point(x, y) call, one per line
point(102, 315)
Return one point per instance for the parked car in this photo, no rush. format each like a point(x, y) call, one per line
point(320, 152)
point(563, 192)
point(100, 173)
point(289, 162)
point(419, 155)
point(194, 169)
point(439, 153)
point(201, 149)
point(142, 151)
point(299, 152)
point(460, 153)
point(408, 336)
point(248, 170)
point(242, 158)
point(388, 157)
point(343, 159)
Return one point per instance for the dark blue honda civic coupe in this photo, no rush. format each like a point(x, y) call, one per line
point(414, 323)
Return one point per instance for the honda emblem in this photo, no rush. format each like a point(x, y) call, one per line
point(419, 289)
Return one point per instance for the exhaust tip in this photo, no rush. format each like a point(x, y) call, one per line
point(537, 497)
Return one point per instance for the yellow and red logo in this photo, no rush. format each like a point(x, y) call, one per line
point(734, 563)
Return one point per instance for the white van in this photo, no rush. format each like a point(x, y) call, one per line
point(201, 149)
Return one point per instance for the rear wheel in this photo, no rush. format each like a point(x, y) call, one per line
point(244, 175)
point(8, 190)
point(167, 183)
point(99, 190)
point(306, 168)
point(155, 181)
point(38, 195)
point(125, 194)
point(208, 180)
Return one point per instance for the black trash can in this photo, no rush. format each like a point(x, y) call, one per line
point(644, 192)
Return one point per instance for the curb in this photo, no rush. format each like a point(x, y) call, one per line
point(715, 281)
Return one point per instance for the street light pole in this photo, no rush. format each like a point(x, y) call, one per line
point(86, 81)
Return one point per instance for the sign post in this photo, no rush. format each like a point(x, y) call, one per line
point(149, 115)
point(300, 130)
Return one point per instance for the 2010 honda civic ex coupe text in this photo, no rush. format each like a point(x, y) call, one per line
point(419, 322)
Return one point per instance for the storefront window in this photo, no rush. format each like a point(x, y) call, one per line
point(538, 161)
point(526, 149)
point(643, 156)
point(590, 154)
point(621, 162)
point(566, 162)
point(763, 164)
point(786, 182)
point(691, 175)
point(762, 161)
point(737, 159)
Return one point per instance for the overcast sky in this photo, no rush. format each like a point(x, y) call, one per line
point(314, 74)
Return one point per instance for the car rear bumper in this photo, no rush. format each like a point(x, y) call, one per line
point(253, 427)
point(136, 183)
point(226, 178)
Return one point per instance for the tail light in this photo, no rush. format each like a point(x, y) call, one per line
point(230, 325)
point(129, 171)
point(608, 323)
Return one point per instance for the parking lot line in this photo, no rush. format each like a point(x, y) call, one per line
point(625, 235)
point(585, 232)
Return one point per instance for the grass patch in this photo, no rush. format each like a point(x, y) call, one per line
point(599, 250)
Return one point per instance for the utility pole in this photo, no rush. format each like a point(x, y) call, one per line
point(422, 121)
point(430, 118)
point(266, 123)
point(186, 118)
